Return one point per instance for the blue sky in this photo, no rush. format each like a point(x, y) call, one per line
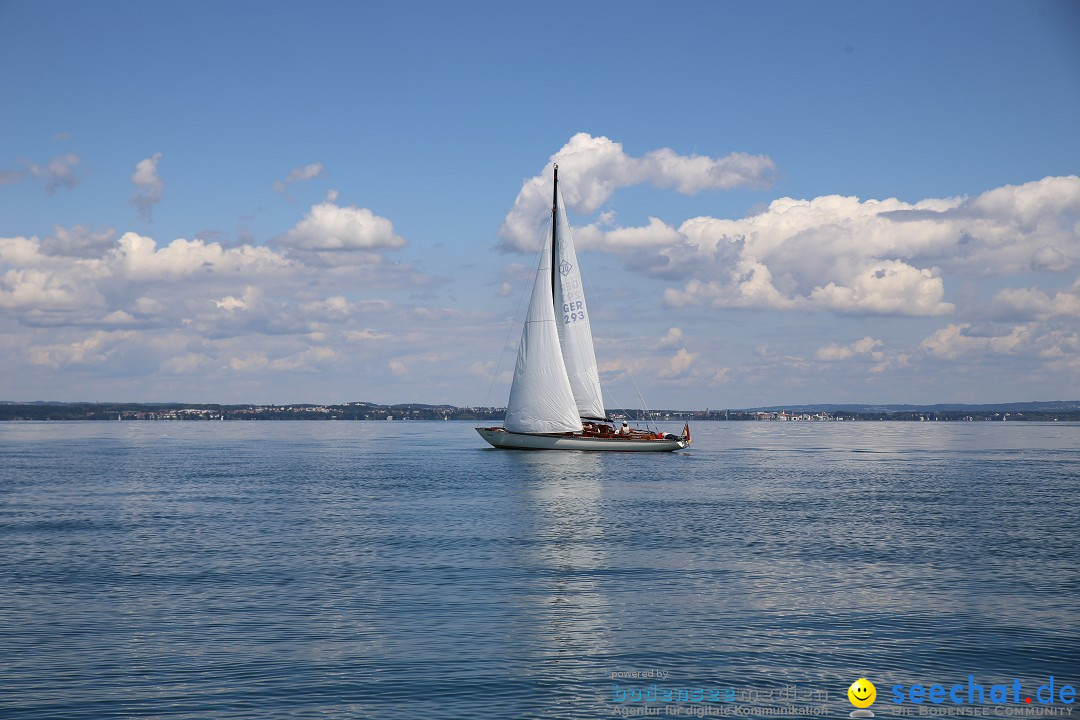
point(774, 202)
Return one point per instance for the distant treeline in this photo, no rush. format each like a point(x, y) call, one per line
point(187, 411)
point(372, 411)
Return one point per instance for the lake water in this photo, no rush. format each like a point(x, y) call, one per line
point(405, 570)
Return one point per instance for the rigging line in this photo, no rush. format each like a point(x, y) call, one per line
point(513, 322)
point(622, 408)
point(625, 409)
point(647, 411)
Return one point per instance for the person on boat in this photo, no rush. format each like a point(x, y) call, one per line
point(625, 429)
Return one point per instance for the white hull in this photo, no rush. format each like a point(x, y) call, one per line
point(500, 438)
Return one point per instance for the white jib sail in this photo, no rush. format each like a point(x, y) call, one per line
point(541, 400)
point(575, 332)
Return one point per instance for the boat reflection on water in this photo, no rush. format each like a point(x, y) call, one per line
point(564, 557)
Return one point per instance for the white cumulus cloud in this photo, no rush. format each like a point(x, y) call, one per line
point(148, 185)
point(958, 339)
point(139, 258)
point(329, 231)
point(867, 346)
point(78, 241)
point(60, 172)
point(1033, 303)
point(672, 338)
point(591, 169)
point(300, 174)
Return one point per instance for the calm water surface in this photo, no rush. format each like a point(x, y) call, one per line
point(404, 570)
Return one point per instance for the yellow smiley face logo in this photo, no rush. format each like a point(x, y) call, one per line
point(862, 693)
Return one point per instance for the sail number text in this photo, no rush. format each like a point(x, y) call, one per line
point(573, 311)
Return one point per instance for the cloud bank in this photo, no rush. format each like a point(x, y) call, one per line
point(983, 286)
point(850, 256)
point(85, 302)
point(998, 269)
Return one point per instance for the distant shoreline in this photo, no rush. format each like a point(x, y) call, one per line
point(60, 411)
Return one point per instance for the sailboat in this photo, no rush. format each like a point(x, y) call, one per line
point(555, 400)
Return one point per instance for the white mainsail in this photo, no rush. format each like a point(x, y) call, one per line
point(541, 400)
point(575, 331)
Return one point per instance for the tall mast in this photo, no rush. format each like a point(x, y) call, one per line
point(554, 239)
